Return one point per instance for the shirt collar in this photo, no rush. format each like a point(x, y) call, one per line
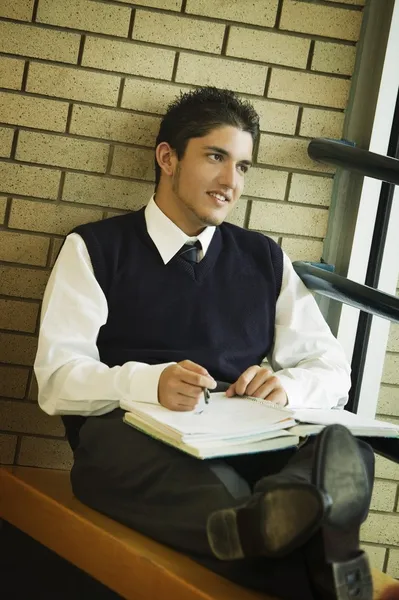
point(167, 237)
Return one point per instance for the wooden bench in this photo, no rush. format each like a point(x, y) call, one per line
point(40, 503)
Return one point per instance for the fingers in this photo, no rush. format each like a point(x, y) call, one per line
point(240, 386)
point(181, 385)
point(259, 382)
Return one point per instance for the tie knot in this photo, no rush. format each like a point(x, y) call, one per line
point(191, 252)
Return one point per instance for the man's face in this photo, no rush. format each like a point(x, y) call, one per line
point(209, 179)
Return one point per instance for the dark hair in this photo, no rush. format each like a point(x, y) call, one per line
point(196, 113)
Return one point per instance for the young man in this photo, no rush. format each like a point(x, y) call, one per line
point(161, 303)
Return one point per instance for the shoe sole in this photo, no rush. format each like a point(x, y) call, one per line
point(340, 473)
point(287, 516)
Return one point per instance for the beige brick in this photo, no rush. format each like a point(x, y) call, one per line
point(376, 555)
point(393, 339)
point(269, 47)
point(391, 369)
point(322, 123)
point(183, 32)
point(164, 4)
point(133, 162)
point(221, 72)
point(18, 316)
point(105, 191)
point(8, 445)
point(45, 453)
point(26, 180)
point(6, 137)
point(265, 183)
point(388, 401)
point(11, 71)
point(321, 20)
point(62, 151)
point(3, 206)
point(22, 283)
point(86, 15)
point(237, 215)
point(334, 58)
point(21, 248)
point(276, 116)
point(386, 469)
point(33, 112)
point(24, 417)
point(381, 529)
point(17, 349)
point(72, 83)
point(120, 126)
point(384, 494)
point(285, 218)
point(150, 96)
point(13, 381)
point(257, 12)
point(393, 565)
point(50, 218)
point(17, 9)
point(128, 57)
point(287, 152)
point(33, 391)
point(302, 248)
point(308, 88)
point(108, 214)
point(309, 189)
point(30, 40)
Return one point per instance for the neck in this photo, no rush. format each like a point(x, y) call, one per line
point(183, 219)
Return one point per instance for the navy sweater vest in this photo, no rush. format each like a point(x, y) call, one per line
point(218, 313)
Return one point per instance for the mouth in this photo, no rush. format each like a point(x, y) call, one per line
point(220, 198)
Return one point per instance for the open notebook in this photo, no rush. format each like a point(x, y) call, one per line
point(242, 425)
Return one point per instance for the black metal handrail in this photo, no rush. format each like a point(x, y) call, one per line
point(349, 292)
point(349, 157)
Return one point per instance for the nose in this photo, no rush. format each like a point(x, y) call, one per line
point(228, 175)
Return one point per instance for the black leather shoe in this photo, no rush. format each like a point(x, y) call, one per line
point(338, 568)
point(272, 523)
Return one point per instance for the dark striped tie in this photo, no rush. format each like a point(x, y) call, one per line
point(191, 252)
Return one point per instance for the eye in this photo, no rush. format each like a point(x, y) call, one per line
point(216, 157)
point(243, 168)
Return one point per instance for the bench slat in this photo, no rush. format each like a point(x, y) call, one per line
point(40, 503)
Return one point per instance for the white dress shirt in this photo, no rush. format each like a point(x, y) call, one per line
point(306, 357)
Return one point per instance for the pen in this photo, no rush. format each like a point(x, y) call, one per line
point(206, 395)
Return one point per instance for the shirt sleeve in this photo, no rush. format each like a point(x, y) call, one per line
point(71, 378)
point(306, 357)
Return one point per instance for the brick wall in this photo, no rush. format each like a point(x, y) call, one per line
point(82, 87)
point(382, 526)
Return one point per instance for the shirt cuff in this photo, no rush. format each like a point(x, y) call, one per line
point(143, 384)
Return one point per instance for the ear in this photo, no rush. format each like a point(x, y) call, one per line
point(166, 158)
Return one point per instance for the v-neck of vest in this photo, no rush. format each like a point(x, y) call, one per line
point(199, 271)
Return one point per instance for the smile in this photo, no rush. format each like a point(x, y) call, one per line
point(220, 197)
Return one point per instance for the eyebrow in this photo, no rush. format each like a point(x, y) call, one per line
point(225, 153)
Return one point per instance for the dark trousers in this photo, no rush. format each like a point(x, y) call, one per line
point(168, 495)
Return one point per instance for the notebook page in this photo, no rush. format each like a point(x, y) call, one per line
point(221, 416)
point(344, 417)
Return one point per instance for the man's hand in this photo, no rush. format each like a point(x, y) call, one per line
point(181, 386)
point(261, 383)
